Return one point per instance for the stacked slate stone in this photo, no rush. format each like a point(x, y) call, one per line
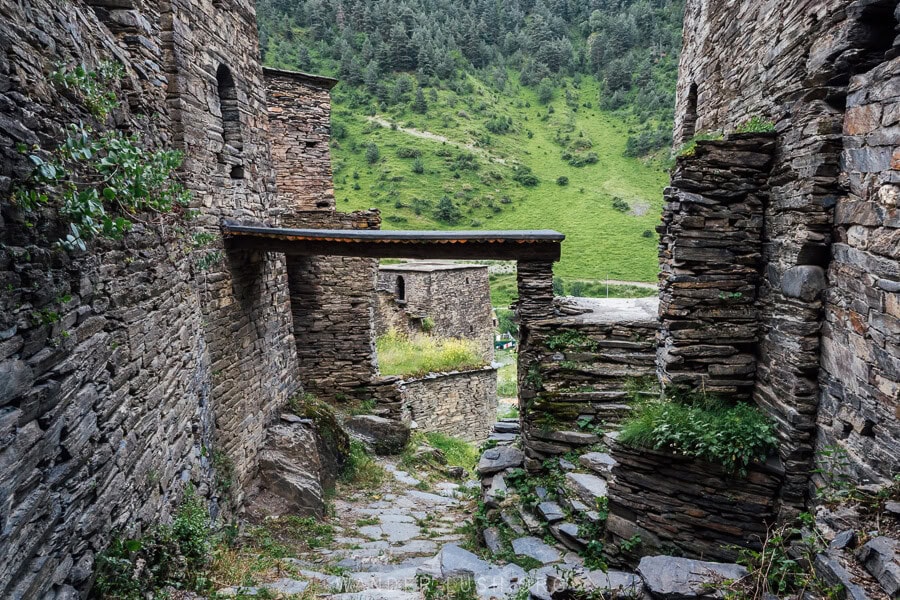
point(535, 286)
point(710, 259)
point(576, 378)
point(676, 503)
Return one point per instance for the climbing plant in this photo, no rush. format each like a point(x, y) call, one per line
point(101, 182)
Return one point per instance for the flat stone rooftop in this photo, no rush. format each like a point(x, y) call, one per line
point(430, 266)
point(612, 310)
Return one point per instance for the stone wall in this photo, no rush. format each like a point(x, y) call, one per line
point(860, 376)
point(710, 257)
point(127, 371)
point(577, 369)
point(332, 302)
point(794, 66)
point(300, 127)
point(681, 506)
point(462, 404)
point(455, 297)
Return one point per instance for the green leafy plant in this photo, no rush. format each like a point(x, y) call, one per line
point(173, 555)
point(417, 355)
point(703, 427)
point(91, 87)
point(100, 183)
point(755, 124)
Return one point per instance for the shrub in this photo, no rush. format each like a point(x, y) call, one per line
point(89, 177)
point(173, 555)
point(703, 427)
point(582, 160)
point(498, 125)
point(562, 181)
point(373, 155)
point(447, 211)
point(620, 205)
point(408, 152)
point(418, 166)
point(399, 354)
point(525, 176)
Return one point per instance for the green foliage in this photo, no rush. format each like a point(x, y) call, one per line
point(562, 181)
point(373, 154)
point(91, 87)
point(570, 339)
point(756, 124)
point(418, 166)
point(446, 211)
point(507, 380)
point(524, 175)
point(689, 148)
point(224, 468)
point(100, 182)
point(784, 566)
point(582, 160)
point(506, 322)
point(702, 427)
point(418, 355)
point(175, 555)
point(361, 471)
point(620, 205)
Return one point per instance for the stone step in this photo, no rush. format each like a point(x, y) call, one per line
point(504, 427)
point(503, 439)
point(567, 534)
point(600, 463)
point(551, 511)
point(537, 549)
point(495, 460)
point(589, 488)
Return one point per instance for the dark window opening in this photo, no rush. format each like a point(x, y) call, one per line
point(231, 122)
point(401, 289)
point(689, 124)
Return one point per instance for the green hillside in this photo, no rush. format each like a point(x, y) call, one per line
point(475, 169)
point(490, 114)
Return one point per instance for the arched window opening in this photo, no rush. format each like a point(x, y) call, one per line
point(401, 289)
point(689, 127)
point(231, 123)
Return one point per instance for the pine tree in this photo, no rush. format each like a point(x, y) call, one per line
point(419, 105)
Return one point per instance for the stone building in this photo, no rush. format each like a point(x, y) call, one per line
point(455, 298)
point(161, 358)
point(824, 219)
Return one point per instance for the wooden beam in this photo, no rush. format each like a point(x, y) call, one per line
point(437, 245)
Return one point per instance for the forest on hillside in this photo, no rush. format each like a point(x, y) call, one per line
point(377, 48)
point(515, 114)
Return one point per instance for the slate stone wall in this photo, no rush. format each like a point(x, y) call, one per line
point(333, 307)
point(799, 65)
point(684, 507)
point(463, 404)
point(300, 130)
point(860, 375)
point(126, 372)
point(573, 385)
point(710, 257)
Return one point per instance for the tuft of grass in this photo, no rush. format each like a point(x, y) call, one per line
point(458, 453)
point(755, 124)
point(361, 471)
point(418, 355)
point(703, 427)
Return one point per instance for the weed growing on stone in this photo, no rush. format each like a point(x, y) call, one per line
point(175, 555)
point(689, 148)
point(361, 471)
point(756, 124)
point(703, 427)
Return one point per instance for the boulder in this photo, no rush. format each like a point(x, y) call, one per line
point(598, 462)
point(551, 511)
point(289, 472)
point(881, 557)
point(496, 491)
point(15, 378)
point(382, 436)
point(495, 460)
point(452, 562)
point(673, 578)
point(830, 570)
point(804, 281)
